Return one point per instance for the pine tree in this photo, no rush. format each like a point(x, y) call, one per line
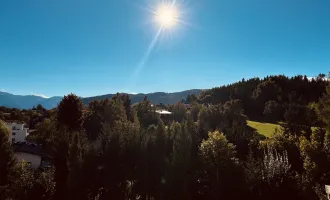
point(323, 108)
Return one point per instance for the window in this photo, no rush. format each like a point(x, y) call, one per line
point(13, 133)
point(14, 128)
point(13, 139)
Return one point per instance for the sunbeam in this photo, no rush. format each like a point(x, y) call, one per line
point(145, 57)
point(166, 15)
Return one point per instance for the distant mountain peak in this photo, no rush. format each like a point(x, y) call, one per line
point(4, 93)
point(41, 95)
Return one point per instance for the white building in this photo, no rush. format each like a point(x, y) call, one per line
point(18, 132)
point(33, 154)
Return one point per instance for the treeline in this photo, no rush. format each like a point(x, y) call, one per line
point(269, 98)
point(113, 150)
point(30, 117)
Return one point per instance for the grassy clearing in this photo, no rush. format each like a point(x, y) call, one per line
point(265, 129)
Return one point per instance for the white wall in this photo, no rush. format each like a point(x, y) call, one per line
point(17, 126)
point(19, 134)
point(35, 160)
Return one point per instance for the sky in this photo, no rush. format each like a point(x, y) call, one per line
point(94, 47)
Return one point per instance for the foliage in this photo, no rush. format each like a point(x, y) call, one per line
point(44, 131)
point(30, 184)
point(7, 159)
point(146, 114)
point(194, 111)
point(323, 108)
point(70, 112)
point(113, 150)
point(106, 111)
point(275, 167)
point(179, 111)
point(191, 98)
point(126, 101)
point(273, 111)
point(256, 92)
point(220, 165)
point(217, 152)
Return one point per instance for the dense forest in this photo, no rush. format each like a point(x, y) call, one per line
point(269, 98)
point(112, 149)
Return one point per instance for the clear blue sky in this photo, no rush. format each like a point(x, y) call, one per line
point(92, 47)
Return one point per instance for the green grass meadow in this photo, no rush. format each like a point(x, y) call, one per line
point(265, 129)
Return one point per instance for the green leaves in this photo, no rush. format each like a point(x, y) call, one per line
point(70, 112)
point(7, 159)
point(217, 151)
point(323, 108)
point(27, 183)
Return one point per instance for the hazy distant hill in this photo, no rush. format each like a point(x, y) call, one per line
point(51, 102)
point(156, 98)
point(28, 101)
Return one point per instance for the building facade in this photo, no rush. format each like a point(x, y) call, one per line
point(18, 132)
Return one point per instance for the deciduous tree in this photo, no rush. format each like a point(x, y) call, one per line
point(7, 159)
point(70, 112)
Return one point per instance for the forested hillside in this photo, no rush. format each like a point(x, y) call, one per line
point(269, 98)
point(155, 98)
point(112, 149)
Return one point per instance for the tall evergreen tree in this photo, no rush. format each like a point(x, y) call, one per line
point(323, 108)
point(128, 107)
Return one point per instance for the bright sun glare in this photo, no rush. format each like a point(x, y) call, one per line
point(167, 16)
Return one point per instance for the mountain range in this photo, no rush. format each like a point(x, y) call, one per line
point(28, 101)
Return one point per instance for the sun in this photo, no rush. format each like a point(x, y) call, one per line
point(166, 16)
